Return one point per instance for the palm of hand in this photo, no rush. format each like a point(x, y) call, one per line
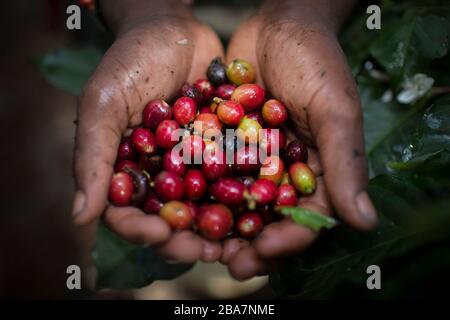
point(305, 68)
point(150, 60)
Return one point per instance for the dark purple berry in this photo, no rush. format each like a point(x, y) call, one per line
point(217, 72)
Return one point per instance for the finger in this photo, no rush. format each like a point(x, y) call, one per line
point(231, 247)
point(337, 124)
point(325, 107)
point(98, 135)
point(113, 100)
point(183, 246)
point(246, 264)
point(134, 226)
point(211, 46)
point(287, 237)
point(212, 251)
point(338, 129)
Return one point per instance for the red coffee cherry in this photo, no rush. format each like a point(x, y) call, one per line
point(121, 189)
point(169, 186)
point(173, 162)
point(274, 113)
point(195, 184)
point(155, 112)
point(177, 215)
point(286, 196)
point(250, 96)
point(228, 191)
point(262, 192)
point(215, 221)
point(143, 141)
point(230, 112)
point(206, 88)
point(249, 225)
point(164, 134)
point(214, 165)
point(184, 110)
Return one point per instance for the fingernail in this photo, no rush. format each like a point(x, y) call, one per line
point(366, 209)
point(78, 203)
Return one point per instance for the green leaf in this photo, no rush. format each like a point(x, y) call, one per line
point(429, 149)
point(311, 219)
point(405, 47)
point(388, 126)
point(404, 138)
point(124, 265)
point(69, 69)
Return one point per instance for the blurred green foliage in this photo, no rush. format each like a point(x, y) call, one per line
point(69, 68)
point(408, 149)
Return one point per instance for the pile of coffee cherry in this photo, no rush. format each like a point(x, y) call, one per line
point(217, 161)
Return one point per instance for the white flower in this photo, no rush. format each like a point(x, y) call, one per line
point(415, 88)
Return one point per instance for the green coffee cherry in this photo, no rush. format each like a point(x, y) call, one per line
point(240, 72)
point(302, 178)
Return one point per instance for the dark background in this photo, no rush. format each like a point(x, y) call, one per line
point(36, 238)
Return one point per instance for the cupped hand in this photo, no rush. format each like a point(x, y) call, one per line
point(150, 59)
point(302, 64)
